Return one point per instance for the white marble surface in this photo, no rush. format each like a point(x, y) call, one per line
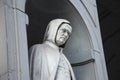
point(14, 53)
point(3, 45)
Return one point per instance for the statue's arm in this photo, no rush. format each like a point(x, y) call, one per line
point(35, 63)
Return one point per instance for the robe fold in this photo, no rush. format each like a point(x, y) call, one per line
point(43, 66)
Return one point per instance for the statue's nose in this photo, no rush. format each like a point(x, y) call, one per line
point(65, 34)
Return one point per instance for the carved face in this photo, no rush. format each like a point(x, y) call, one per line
point(63, 34)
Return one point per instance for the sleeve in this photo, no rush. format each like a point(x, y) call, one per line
point(35, 62)
point(38, 63)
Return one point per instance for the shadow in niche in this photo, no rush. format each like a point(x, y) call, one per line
point(40, 12)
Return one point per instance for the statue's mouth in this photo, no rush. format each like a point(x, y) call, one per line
point(64, 37)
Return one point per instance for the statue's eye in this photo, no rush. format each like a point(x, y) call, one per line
point(68, 33)
point(63, 30)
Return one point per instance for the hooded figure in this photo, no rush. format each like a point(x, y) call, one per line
point(47, 61)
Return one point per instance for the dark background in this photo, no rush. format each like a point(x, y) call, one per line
point(109, 17)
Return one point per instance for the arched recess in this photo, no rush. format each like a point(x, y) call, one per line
point(82, 47)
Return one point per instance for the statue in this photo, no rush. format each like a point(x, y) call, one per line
point(47, 60)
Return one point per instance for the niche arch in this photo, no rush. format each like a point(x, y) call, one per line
point(78, 48)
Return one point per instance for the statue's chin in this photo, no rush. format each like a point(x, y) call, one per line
point(60, 43)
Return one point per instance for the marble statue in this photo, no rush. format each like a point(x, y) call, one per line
point(47, 60)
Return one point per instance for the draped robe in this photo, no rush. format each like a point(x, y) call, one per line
point(44, 62)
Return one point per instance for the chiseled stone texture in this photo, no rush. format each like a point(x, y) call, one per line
point(3, 44)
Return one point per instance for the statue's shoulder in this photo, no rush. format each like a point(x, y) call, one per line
point(38, 46)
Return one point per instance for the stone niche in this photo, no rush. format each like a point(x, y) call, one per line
point(78, 48)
